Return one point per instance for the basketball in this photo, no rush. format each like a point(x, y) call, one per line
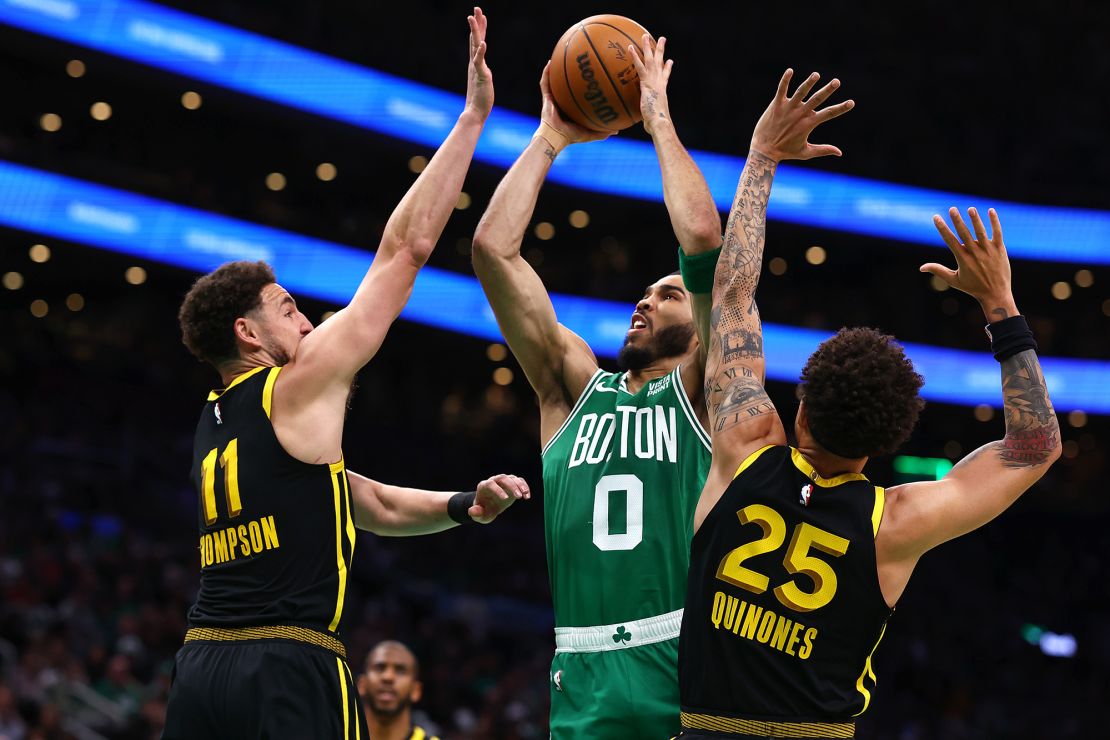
point(593, 79)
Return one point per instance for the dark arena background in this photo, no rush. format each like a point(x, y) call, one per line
point(1004, 633)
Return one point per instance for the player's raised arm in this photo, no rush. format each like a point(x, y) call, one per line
point(920, 516)
point(694, 216)
point(395, 511)
point(742, 416)
point(557, 362)
point(335, 351)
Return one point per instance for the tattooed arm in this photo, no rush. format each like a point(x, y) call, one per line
point(742, 417)
point(920, 516)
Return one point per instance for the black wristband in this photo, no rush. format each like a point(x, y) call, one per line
point(458, 506)
point(1010, 336)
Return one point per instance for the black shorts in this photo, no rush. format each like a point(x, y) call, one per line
point(262, 690)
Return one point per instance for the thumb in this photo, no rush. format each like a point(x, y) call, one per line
point(944, 273)
point(476, 511)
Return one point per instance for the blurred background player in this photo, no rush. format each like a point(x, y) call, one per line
point(389, 685)
point(624, 454)
point(263, 655)
point(797, 560)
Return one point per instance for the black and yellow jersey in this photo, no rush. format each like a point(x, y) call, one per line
point(419, 733)
point(783, 606)
point(276, 534)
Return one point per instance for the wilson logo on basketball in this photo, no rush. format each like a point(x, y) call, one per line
point(594, 96)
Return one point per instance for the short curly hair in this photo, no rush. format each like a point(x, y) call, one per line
point(207, 315)
point(860, 393)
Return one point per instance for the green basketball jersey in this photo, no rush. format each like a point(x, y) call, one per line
point(621, 480)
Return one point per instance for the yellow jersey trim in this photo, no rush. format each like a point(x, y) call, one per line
point(340, 561)
point(215, 395)
point(345, 708)
point(268, 391)
point(358, 730)
point(868, 672)
point(877, 512)
point(762, 727)
point(803, 465)
point(750, 459)
point(236, 634)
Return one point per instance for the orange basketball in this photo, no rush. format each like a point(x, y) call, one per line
point(593, 79)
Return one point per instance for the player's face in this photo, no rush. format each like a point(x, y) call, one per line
point(285, 326)
point(665, 303)
point(390, 685)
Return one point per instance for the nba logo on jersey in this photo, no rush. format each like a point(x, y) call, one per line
point(807, 491)
point(219, 419)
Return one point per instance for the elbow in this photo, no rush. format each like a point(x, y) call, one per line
point(705, 232)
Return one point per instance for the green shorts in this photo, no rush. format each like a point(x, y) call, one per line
point(616, 694)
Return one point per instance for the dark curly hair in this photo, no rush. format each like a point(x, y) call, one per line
point(861, 394)
point(207, 315)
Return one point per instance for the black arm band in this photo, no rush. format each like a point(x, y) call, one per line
point(1009, 337)
point(459, 504)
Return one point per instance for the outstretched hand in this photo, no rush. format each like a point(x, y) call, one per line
point(982, 266)
point(569, 130)
point(479, 79)
point(783, 130)
point(654, 73)
point(496, 494)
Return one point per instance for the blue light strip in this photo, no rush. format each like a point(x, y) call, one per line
point(292, 76)
point(86, 213)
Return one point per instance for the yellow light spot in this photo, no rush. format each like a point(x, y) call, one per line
point(983, 412)
point(502, 376)
point(75, 302)
point(579, 219)
point(135, 275)
point(417, 163)
point(75, 68)
point(1077, 419)
point(39, 308)
point(816, 255)
point(777, 266)
point(938, 284)
point(1084, 278)
point(463, 202)
point(545, 230)
point(100, 111)
point(326, 171)
point(39, 253)
point(275, 181)
point(50, 122)
point(13, 280)
point(191, 100)
point(497, 352)
point(1061, 291)
point(326, 315)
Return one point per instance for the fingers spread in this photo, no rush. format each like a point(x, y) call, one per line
point(823, 94)
point(835, 111)
point(944, 273)
point(805, 87)
point(996, 226)
point(946, 234)
point(784, 84)
point(961, 227)
point(980, 230)
point(636, 60)
point(822, 150)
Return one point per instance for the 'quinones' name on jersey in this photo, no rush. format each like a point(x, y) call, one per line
point(652, 431)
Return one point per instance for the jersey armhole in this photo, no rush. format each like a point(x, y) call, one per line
point(586, 392)
point(688, 409)
point(877, 512)
point(751, 459)
point(268, 391)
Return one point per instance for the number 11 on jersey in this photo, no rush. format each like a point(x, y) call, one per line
point(229, 461)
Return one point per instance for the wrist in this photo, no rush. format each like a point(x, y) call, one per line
point(471, 116)
point(765, 152)
point(458, 507)
point(999, 308)
point(556, 140)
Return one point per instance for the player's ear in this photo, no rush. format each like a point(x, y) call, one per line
point(802, 422)
point(247, 332)
point(417, 691)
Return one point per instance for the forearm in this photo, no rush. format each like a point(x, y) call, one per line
point(694, 216)
point(1032, 430)
point(398, 512)
point(418, 221)
point(501, 230)
point(746, 233)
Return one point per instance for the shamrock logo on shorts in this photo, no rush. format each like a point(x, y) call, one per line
point(622, 635)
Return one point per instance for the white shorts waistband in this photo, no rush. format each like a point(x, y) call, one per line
point(619, 636)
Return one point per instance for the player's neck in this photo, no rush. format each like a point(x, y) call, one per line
point(636, 379)
point(231, 370)
point(827, 464)
point(397, 727)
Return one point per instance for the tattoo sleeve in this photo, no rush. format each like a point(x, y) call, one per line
point(1032, 431)
point(734, 382)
